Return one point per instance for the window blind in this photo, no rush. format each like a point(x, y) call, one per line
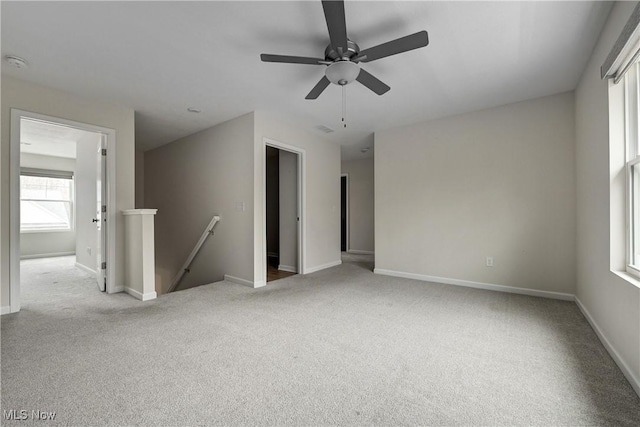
point(47, 173)
point(625, 51)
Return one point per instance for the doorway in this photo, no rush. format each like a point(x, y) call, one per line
point(292, 220)
point(62, 223)
point(282, 219)
point(344, 212)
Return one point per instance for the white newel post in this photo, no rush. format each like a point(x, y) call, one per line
point(140, 273)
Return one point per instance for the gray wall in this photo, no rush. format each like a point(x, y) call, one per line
point(39, 161)
point(42, 244)
point(498, 182)
point(612, 302)
point(139, 165)
point(288, 211)
point(40, 99)
point(361, 204)
point(190, 180)
point(86, 201)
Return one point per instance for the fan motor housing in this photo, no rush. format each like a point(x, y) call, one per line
point(331, 54)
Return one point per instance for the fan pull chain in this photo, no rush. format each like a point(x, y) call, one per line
point(344, 105)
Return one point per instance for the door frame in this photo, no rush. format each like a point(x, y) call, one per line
point(14, 197)
point(346, 175)
point(101, 275)
point(302, 202)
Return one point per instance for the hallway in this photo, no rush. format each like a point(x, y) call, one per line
point(55, 284)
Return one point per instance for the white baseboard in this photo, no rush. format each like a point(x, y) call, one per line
point(478, 285)
point(51, 255)
point(322, 267)
point(359, 252)
point(5, 310)
point(628, 373)
point(244, 282)
point(139, 295)
point(289, 268)
point(85, 269)
point(116, 290)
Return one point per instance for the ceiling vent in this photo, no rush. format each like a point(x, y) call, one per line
point(15, 61)
point(324, 129)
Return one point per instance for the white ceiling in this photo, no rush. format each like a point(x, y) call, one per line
point(48, 139)
point(161, 57)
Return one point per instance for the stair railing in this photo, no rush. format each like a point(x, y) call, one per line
point(185, 267)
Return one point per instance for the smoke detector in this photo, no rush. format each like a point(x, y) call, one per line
point(15, 61)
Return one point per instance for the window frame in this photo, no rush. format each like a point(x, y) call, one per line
point(631, 224)
point(632, 159)
point(43, 173)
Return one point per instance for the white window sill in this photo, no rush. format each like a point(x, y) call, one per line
point(633, 280)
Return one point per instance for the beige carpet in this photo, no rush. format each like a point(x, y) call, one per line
point(338, 347)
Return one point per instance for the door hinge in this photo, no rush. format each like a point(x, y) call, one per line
point(103, 266)
point(104, 208)
point(104, 151)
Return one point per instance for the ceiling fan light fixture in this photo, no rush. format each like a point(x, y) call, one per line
point(342, 72)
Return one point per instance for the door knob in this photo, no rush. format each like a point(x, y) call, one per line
point(94, 220)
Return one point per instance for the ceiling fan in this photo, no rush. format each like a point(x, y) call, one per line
point(342, 56)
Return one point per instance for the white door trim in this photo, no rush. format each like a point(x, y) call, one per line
point(302, 202)
point(346, 175)
point(14, 198)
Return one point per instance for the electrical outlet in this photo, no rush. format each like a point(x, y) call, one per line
point(88, 250)
point(240, 206)
point(489, 261)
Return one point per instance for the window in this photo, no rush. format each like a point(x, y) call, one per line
point(622, 71)
point(632, 140)
point(46, 200)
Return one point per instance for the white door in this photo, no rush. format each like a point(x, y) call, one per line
point(101, 215)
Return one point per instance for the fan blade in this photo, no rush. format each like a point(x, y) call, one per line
point(318, 89)
point(403, 44)
point(336, 24)
point(265, 57)
point(372, 82)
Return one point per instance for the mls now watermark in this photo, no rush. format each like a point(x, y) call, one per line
point(23, 415)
